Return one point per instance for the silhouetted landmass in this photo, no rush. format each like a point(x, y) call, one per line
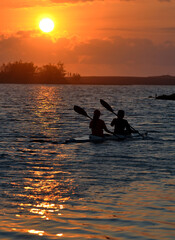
point(27, 73)
point(115, 80)
point(166, 97)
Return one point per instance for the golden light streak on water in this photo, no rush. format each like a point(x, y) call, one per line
point(45, 106)
point(40, 233)
point(60, 235)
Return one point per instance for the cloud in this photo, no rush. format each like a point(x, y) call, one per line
point(34, 3)
point(32, 46)
point(126, 51)
point(23, 3)
point(168, 29)
point(124, 56)
point(165, 0)
point(73, 1)
point(47, 3)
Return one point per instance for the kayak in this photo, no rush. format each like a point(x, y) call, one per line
point(97, 139)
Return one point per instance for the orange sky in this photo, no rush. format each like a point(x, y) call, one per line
point(95, 37)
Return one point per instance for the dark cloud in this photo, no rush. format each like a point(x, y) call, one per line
point(125, 51)
point(116, 52)
point(168, 29)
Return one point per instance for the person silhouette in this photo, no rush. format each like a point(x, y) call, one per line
point(97, 125)
point(121, 125)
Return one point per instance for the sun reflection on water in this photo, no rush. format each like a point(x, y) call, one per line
point(47, 193)
point(40, 233)
point(46, 109)
point(48, 190)
point(47, 186)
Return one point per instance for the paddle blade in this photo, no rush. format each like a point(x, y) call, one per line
point(81, 111)
point(106, 105)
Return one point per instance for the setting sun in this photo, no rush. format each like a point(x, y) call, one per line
point(46, 25)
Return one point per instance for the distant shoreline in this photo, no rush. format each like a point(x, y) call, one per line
point(126, 80)
point(104, 80)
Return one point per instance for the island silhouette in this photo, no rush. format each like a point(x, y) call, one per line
point(20, 72)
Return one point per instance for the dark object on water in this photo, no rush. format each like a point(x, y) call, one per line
point(109, 108)
point(81, 111)
point(166, 97)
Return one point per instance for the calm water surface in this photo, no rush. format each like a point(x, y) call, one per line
point(113, 190)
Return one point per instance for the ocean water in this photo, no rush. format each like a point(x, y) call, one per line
point(112, 190)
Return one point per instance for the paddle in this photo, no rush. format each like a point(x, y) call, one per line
point(109, 108)
point(81, 111)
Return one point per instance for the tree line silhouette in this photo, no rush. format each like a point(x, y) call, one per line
point(28, 72)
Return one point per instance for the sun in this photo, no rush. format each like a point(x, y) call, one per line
point(46, 25)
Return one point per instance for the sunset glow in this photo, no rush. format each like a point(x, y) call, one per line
point(92, 37)
point(46, 25)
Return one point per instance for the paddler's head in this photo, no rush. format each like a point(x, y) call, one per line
point(120, 114)
point(97, 114)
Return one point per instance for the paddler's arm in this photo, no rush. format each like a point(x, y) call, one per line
point(105, 128)
point(130, 129)
point(113, 122)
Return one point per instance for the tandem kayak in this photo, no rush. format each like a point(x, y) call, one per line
point(96, 139)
